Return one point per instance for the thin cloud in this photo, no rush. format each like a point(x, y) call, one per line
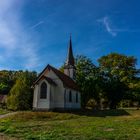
point(15, 42)
point(36, 25)
point(106, 22)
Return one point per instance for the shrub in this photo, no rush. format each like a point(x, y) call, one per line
point(125, 103)
point(20, 96)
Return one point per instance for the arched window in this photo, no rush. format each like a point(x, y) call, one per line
point(43, 91)
point(70, 96)
point(76, 97)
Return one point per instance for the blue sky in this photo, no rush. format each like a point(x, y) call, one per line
point(34, 33)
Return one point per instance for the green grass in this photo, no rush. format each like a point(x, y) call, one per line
point(3, 111)
point(97, 125)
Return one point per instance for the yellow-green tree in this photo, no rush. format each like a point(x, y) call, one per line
point(20, 96)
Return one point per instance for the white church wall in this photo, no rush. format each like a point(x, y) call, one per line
point(57, 97)
point(73, 104)
point(44, 103)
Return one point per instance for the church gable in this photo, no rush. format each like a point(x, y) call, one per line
point(66, 80)
point(49, 80)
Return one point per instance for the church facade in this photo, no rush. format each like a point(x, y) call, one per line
point(54, 89)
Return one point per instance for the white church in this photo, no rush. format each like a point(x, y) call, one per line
point(54, 89)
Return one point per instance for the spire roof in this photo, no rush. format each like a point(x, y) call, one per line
point(70, 58)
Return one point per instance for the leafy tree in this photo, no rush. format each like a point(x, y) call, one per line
point(3, 87)
point(87, 79)
point(117, 71)
point(20, 97)
point(8, 79)
point(134, 92)
point(118, 66)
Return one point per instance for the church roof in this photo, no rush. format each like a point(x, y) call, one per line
point(70, 58)
point(67, 81)
point(49, 80)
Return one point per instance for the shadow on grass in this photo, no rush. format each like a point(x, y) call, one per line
point(100, 113)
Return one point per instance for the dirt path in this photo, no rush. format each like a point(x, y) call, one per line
point(3, 136)
point(6, 115)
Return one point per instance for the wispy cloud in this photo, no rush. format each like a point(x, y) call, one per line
point(37, 24)
point(15, 41)
point(106, 22)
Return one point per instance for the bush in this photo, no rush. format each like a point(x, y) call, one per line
point(20, 97)
point(125, 103)
point(91, 104)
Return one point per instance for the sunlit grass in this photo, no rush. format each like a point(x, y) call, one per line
point(112, 125)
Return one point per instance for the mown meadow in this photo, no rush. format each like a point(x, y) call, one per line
point(83, 125)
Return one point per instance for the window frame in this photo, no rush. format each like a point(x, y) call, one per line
point(43, 90)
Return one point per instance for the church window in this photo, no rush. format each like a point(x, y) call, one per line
point(70, 96)
point(76, 97)
point(43, 91)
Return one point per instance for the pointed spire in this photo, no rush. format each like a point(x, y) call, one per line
point(70, 58)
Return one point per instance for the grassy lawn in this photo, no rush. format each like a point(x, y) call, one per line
point(3, 111)
point(101, 125)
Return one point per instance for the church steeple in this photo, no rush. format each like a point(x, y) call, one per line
point(70, 58)
point(69, 68)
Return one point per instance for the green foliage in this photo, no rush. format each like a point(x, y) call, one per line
point(3, 111)
point(20, 97)
point(117, 72)
point(125, 103)
point(115, 79)
point(7, 80)
point(3, 87)
point(87, 79)
point(62, 68)
point(118, 66)
point(134, 92)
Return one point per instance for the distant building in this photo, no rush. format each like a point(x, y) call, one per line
point(56, 90)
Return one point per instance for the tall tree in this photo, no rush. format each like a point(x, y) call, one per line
point(20, 97)
point(87, 79)
point(117, 71)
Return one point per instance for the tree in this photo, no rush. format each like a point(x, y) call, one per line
point(8, 79)
point(134, 92)
point(20, 96)
point(117, 71)
point(87, 79)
